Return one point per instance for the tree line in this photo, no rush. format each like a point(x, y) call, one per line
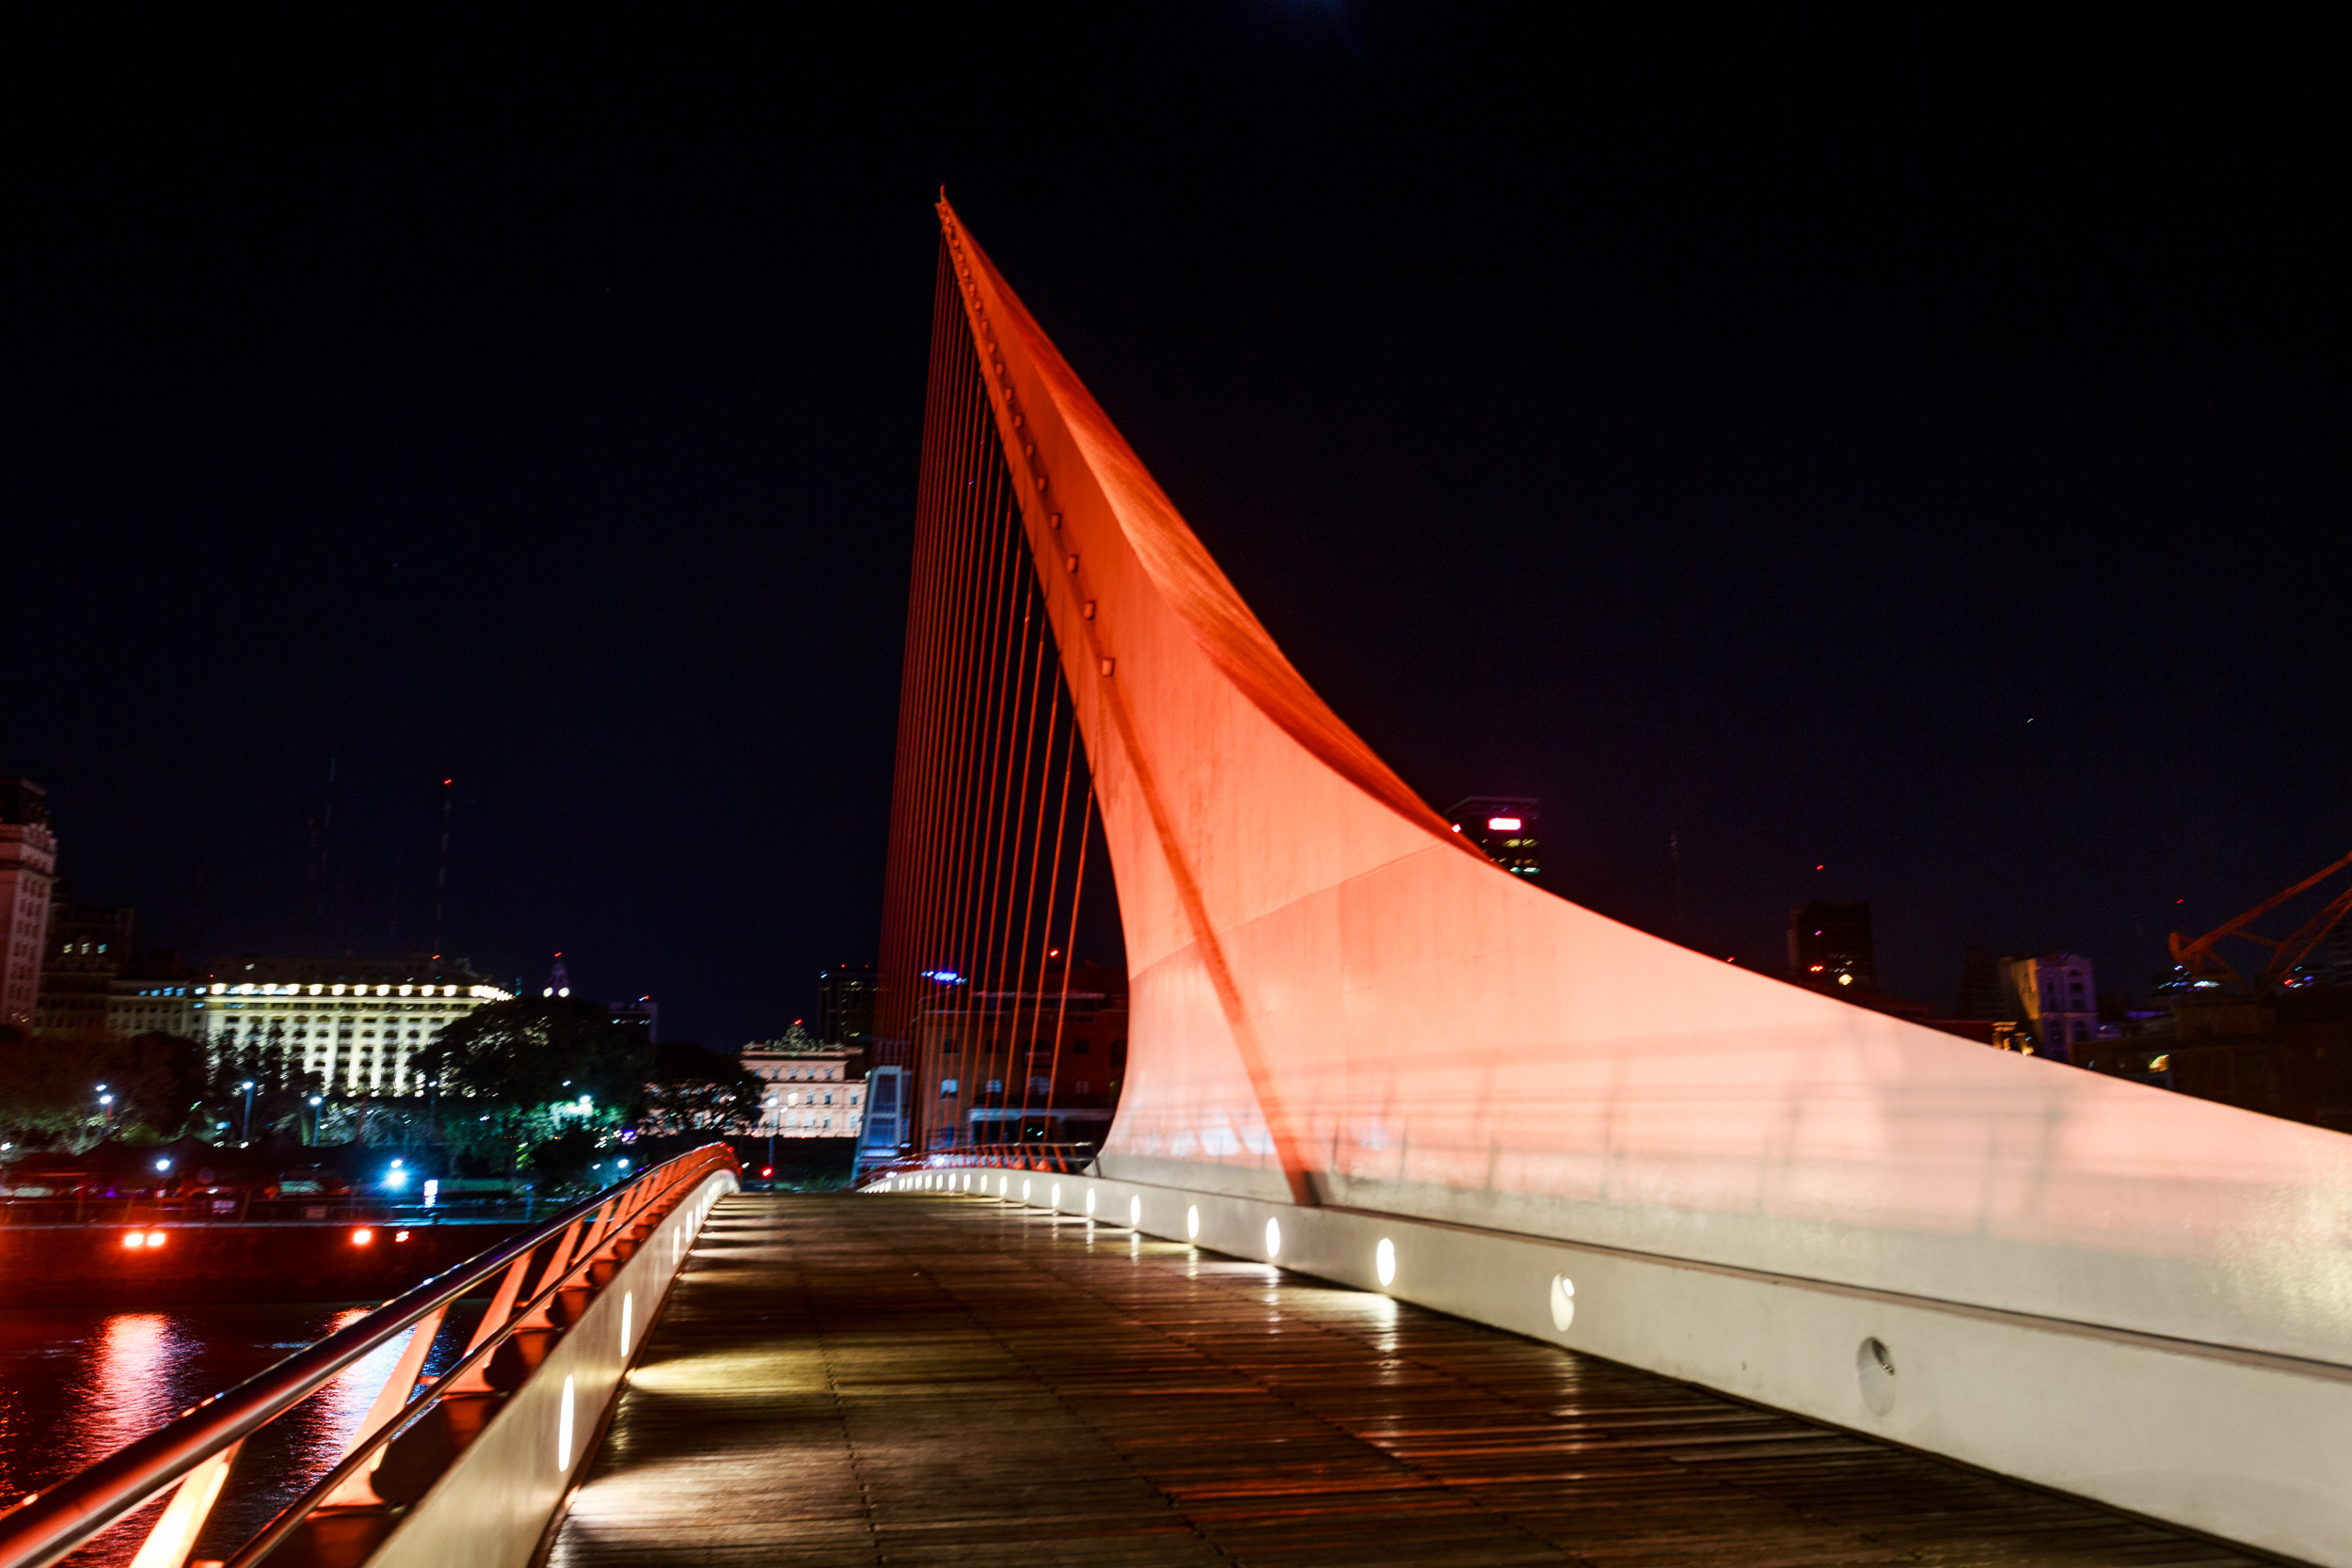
point(534, 1085)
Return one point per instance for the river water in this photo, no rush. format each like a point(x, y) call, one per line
point(78, 1383)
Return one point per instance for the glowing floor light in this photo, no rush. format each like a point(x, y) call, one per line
point(1384, 1261)
point(1562, 1301)
point(1273, 1238)
point(563, 1430)
point(1135, 1211)
point(1192, 1222)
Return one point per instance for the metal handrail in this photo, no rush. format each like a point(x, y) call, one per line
point(56, 1520)
point(452, 1380)
point(1058, 1158)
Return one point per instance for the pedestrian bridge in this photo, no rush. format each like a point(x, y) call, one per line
point(974, 1364)
point(948, 1380)
point(1417, 1170)
point(1354, 1042)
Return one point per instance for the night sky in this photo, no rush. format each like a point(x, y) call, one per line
point(1910, 444)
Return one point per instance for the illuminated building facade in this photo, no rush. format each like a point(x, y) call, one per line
point(1042, 1066)
point(96, 985)
point(643, 1014)
point(1831, 943)
point(28, 867)
point(356, 1023)
point(1503, 827)
point(845, 1004)
point(154, 994)
point(2056, 997)
point(88, 948)
point(812, 1089)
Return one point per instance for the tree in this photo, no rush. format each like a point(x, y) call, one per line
point(282, 1093)
point(695, 1090)
point(49, 1088)
point(537, 1051)
point(513, 1075)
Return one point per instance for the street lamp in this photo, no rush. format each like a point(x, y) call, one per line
point(315, 1101)
point(771, 1142)
point(247, 1086)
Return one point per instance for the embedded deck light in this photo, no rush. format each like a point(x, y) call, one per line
point(1562, 1301)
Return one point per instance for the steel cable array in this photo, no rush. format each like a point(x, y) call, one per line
point(992, 806)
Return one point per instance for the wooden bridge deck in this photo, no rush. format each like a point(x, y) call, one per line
point(927, 1379)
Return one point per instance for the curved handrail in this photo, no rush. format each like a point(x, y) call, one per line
point(1058, 1159)
point(362, 1454)
point(63, 1517)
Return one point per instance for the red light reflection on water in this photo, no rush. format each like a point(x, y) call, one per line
point(127, 1392)
point(77, 1383)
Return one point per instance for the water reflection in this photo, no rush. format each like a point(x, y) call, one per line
point(78, 1383)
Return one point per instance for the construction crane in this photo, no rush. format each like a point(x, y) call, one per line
point(2201, 960)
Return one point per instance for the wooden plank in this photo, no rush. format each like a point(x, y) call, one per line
point(946, 1381)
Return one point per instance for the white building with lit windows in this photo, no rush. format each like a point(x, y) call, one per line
point(809, 1093)
point(358, 1023)
point(2060, 1002)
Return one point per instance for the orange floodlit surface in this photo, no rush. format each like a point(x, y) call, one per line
point(1336, 998)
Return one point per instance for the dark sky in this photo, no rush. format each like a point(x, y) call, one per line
point(1912, 444)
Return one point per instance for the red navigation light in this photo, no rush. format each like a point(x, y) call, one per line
point(1817, 968)
point(766, 1172)
point(155, 1238)
point(400, 1235)
point(1502, 824)
point(134, 1238)
point(362, 1236)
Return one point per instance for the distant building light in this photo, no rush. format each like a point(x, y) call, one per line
point(1502, 824)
